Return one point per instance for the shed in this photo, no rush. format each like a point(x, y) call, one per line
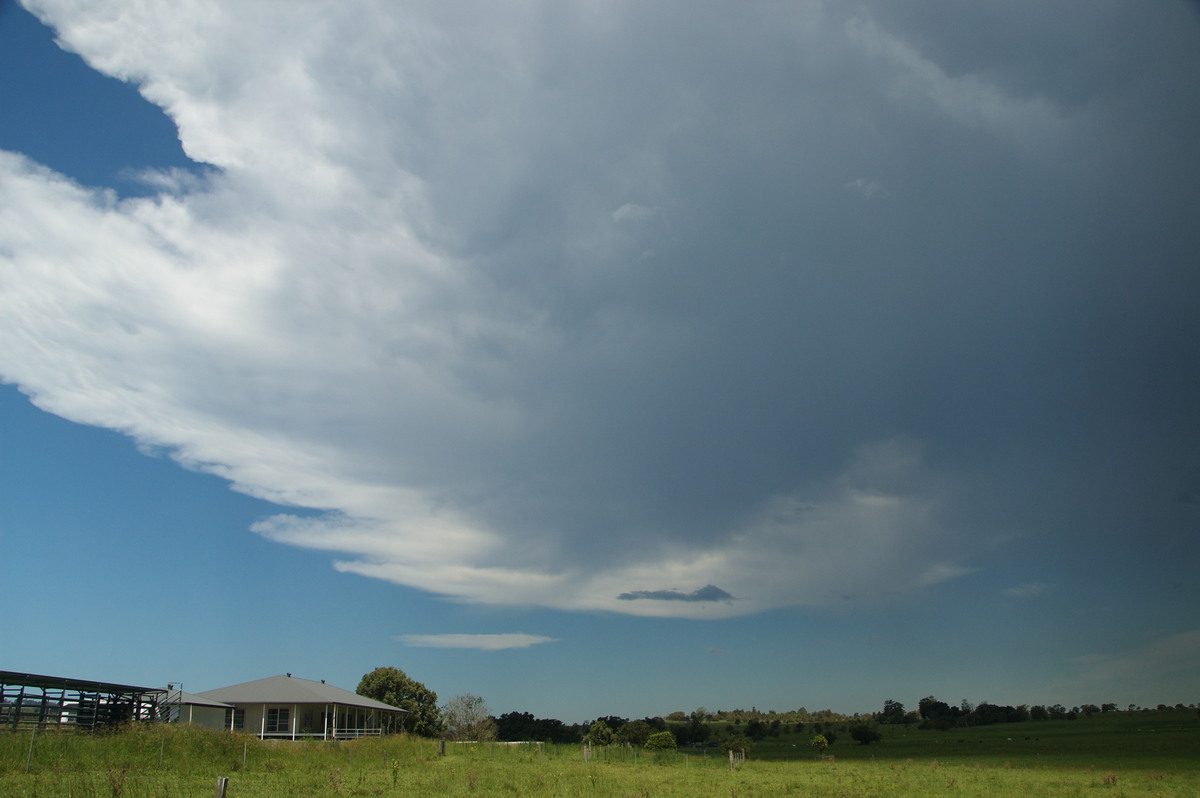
point(34, 700)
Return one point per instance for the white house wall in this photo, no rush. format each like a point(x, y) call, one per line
point(208, 717)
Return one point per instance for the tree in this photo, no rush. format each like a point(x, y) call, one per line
point(599, 733)
point(819, 744)
point(656, 723)
point(466, 717)
point(634, 733)
point(696, 731)
point(893, 712)
point(515, 726)
point(937, 714)
point(661, 741)
point(614, 722)
point(932, 709)
point(756, 730)
point(393, 686)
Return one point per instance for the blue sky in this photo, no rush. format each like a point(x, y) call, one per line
point(616, 359)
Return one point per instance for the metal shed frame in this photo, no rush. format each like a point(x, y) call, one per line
point(30, 700)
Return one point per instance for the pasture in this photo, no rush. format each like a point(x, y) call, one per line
point(1130, 754)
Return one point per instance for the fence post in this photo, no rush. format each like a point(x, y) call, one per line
point(442, 747)
point(222, 786)
point(29, 758)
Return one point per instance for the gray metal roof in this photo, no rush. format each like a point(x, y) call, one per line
point(63, 683)
point(195, 700)
point(292, 690)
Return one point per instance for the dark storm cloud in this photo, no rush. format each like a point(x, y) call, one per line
point(804, 299)
point(706, 593)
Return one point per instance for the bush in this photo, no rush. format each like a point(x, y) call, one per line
point(661, 741)
point(737, 742)
point(865, 735)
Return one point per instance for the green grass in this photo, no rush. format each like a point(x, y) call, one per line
point(1129, 755)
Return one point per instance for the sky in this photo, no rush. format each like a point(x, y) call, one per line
point(605, 357)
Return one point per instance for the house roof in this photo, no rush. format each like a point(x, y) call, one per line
point(288, 689)
point(195, 700)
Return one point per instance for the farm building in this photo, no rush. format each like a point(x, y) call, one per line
point(30, 700)
point(285, 707)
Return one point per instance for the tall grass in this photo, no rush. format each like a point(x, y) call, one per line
point(1139, 754)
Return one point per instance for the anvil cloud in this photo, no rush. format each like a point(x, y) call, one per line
point(669, 309)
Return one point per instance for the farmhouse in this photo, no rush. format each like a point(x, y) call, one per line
point(280, 707)
point(286, 707)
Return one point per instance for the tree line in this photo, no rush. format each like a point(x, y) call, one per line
point(467, 717)
point(932, 713)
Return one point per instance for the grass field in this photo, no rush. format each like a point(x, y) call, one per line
point(1117, 754)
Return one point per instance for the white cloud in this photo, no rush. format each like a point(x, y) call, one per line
point(916, 82)
point(870, 189)
point(1027, 590)
point(632, 212)
point(940, 572)
point(483, 642)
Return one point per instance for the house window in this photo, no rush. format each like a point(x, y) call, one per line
point(277, 719)
point(235, 719)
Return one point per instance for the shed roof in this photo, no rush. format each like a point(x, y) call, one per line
point(287, 689)
point(64, 683)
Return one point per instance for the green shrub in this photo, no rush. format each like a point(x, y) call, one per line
point(737, 742)
point(865, 735)
point(661, 741)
